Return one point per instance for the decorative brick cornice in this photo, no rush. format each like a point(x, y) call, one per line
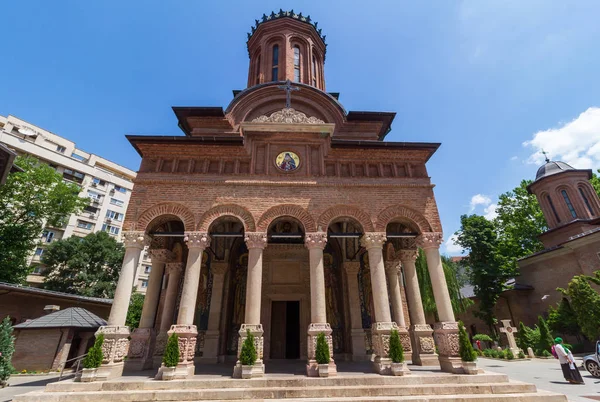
point(351, 267)
point(315, 240)
point(373, 240)
point(199, 240)
point(136, 239)
point(430, 240)
point(408, 255)
point(174, 267)
point(256, 240)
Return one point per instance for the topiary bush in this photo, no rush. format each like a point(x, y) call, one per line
point(7, 348)
point(509, 354)
point(171, 356)
point(545, 353)
point(545, 341)
point(322, 350)
point(94, 355)
point(482, 338)
point(396, 351)
point(465, 349)
point(248, 353)
point(521, 355)
point(487, 352)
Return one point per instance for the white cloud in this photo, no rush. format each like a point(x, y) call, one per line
point(514, 158)
point(576, 142)
point(452, 248)
point(479, 199)
point(489, 212)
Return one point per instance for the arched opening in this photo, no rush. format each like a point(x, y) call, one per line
point(275, 63)
point(297, 61)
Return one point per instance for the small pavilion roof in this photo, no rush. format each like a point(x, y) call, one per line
point(72, 317)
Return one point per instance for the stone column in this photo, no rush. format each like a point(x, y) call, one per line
point(392, 270)
point(116, 334)
point(256, 242)
point(173, 271)
point(359, 348)
point(383, 325)
point(445, 331)
point(315, 242)
point(143, 339)
point(185, 329)
point(210, 351)
point(423, 346)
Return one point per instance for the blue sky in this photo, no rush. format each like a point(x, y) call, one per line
point(493, 81)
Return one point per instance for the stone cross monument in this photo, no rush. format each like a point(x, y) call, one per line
point(288, 88)
point(510, 334)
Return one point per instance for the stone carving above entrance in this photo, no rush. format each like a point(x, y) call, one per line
point(288, 116)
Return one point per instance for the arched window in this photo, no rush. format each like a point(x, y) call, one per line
point(552, 207)
point(296, 64)
point(568, 202)
point(275, 68)
point(586, 201)
point(258, 70)
point(314, 71)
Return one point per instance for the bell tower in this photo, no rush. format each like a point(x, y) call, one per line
point(286, 46)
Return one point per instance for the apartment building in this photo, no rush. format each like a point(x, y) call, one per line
point(107, 184)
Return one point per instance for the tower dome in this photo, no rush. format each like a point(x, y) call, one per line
point(552, 167)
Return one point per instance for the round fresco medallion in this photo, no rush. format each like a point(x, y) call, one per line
point(287, 161)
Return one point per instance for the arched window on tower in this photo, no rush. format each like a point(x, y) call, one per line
point(296, 64)
point(586, 201)
point(569, 204)
point(553, 209)
point(258, 70)
point(275, 68)
point(314, 71)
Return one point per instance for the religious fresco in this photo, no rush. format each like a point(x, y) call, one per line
point(365, 293)
point(238, 297)
point(287, 161)
point(204, 294)
point(333, 293)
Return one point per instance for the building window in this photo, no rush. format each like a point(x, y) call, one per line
point(98, 182)
point(586, 201)
point(39, 251)
point(144, 284)
point(147, 269)
point(48, 236)
point(568, 202)
point(117, 216)
point(258, 70)
point(552, 207)
point(78, 157)
point(94, 195)
point(91, 209)
point(38, 269)
point(296, 64)
point(110, 229)
point(116, 202)
point(314, 71)
point(85, 225)
point(61, 149)
point(120, 189)
point(73, 175)
point(275, 68)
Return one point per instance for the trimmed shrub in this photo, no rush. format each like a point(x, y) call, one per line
point(545, 353)
point(479, 352)
point(248, 352)
point(509, 354)
point(322, 349)
point(487, 352)
point(482, 338)
point(521, 354)
point(171, 356)
point(396, 351)
point(94, 355)
point(7, 348)
point(545, 342)
point(465, 349)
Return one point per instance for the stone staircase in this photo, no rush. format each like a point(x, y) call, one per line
point(435, 387)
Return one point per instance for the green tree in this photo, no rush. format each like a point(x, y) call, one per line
point(563, 320)
point(29, 200)
point(488, 269)
point(134, 314)
point(595, 181)
point(396, 351)
point(248, 353)
point(94, 355)
point(171, 356)
point(545, 341)
point(466, 351)
point(86, 266)
point(7, 348)
point(322, 349)
point(585, 302)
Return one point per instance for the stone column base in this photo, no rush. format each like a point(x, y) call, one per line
point(258, 370)
point(446, 338)
point(210, 351)
point(359, 346)
point(141, 349)
point(380, 333)
point(114, 349)
point(187, 350)
point(312, 367)
point(405, 340)
point(423, 351)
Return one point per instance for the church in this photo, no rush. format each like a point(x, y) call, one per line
point(284, 215)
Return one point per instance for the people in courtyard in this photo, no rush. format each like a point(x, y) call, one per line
point(567, 362)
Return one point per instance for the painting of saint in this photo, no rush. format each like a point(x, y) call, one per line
point(287, 161)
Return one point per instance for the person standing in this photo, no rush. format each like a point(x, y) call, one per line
point(567, 363)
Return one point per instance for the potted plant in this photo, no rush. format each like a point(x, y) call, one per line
point(248, 355)
point(396, 354)
point(92, 361)
point(322, 355)
point(466, 351)
point(170, 358)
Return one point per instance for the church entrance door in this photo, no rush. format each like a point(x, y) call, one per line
point(285, 330)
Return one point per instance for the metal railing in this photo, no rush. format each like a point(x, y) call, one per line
point(77, 359)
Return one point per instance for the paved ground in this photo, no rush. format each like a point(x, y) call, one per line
point(21, 384)
point(546, 375)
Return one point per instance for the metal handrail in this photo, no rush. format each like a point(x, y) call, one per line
point(78, 359)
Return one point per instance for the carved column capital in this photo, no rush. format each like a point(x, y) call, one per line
point(197, 240)
point(219, 267)
point(407, 255)
point(136, 239)
point(255, 240)
point(315, 240)
point(174, 267)
point(430, 240)
point(351, 267)
point(392, 267)
point(373, 240)
point(161, 255)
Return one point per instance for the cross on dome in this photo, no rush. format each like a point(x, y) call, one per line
point(288, 88)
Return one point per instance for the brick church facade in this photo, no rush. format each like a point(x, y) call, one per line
point(286, 216)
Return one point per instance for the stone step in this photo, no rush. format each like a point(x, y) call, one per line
point(125, 384)
point(392, 392)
